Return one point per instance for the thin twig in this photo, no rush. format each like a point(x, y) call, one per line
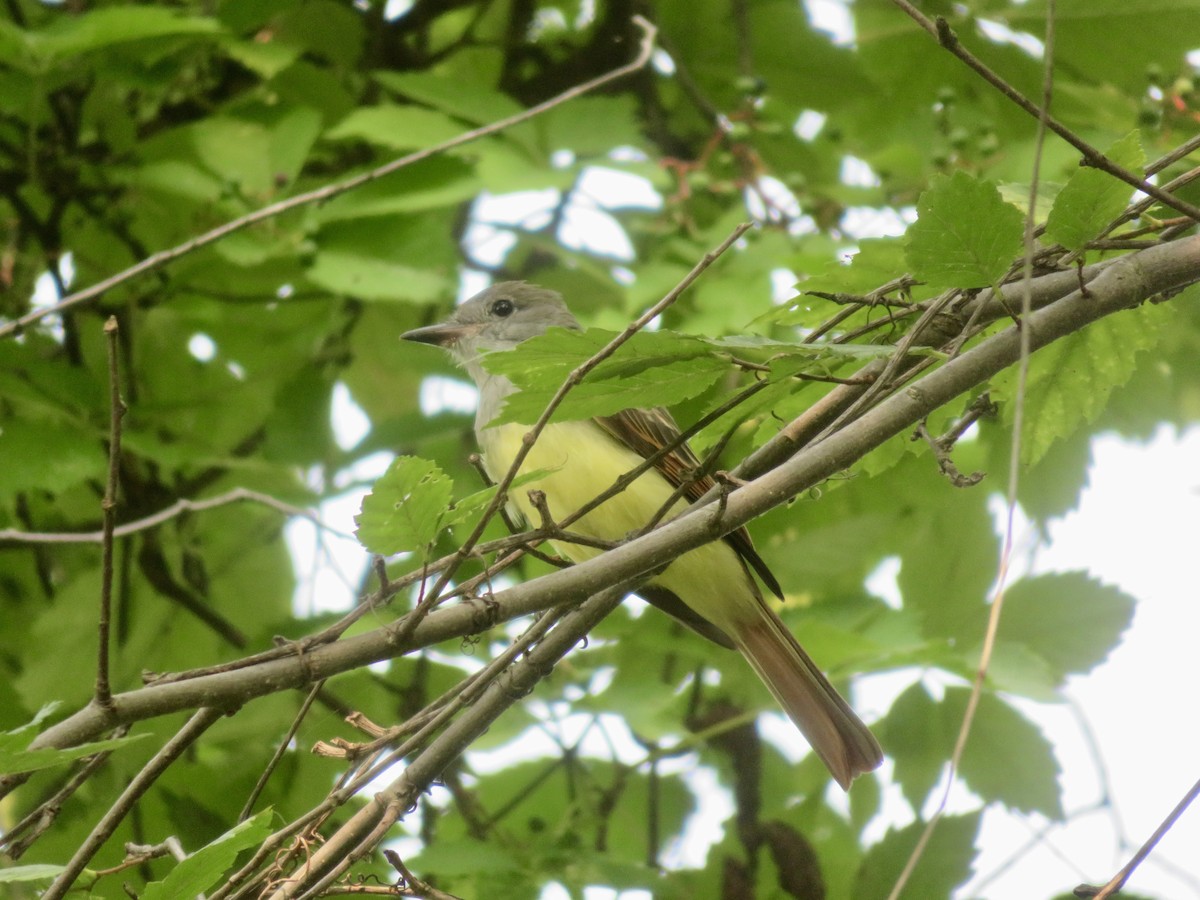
point(1118, 880)
point(280, 750)
point(42, 816)
point(946, 37)
point(370, 824)
point(329, 191)
point(179, 507)
point(1025, 351)
point(103, 692)
point(192, 729)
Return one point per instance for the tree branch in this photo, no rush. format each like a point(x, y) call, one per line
point(329, 191)
point(1125, 283)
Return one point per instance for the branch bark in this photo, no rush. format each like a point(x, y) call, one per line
point(1125, 283)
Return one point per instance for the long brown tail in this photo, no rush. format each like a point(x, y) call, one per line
point(838, 736)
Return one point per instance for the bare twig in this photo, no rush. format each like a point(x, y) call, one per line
point(103, 692)
point(1024, 351)
point(946, 37)
point(280, 751)
point(369, 825)
point(178, 508)
point(1118, 880)
point(412, 885)
point(332, 190)
point(943, 444)
point(192, 729)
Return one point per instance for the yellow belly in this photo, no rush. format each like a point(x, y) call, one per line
point(580, 461)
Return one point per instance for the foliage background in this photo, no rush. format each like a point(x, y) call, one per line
point(128, 129)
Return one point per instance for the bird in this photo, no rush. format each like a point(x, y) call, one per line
point(710, 588)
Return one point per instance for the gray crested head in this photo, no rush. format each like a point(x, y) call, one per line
point(497, 318)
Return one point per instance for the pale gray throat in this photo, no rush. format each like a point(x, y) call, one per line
point(492, 388)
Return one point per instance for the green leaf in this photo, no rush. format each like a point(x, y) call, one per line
point(370, 278)
point(392, 258)
point(1092, 198)
point(45, 455)
point(915, 741)
point(651, 369)
point(15, 759)
point(36, 872)
point(1110, 41)
point(69, 36)
point(433, 184)
point(406, 508)
point(1071, 381)
point(965, 234)
point(945, 865)
point(397, 127)
point(473, 503)
point(1007, 758)
point(456, 858)
point(664, 384)
point(1069, 619)
point(469, 100)
point(202, 870)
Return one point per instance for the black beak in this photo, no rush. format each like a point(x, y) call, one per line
point(442, 335)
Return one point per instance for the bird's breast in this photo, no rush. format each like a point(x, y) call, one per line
point(577, 461)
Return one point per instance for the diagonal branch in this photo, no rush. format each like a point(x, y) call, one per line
point(1127, 282)
point(320, 195)
point(941, 30)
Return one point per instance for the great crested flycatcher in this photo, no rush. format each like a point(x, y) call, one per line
point(710, 588)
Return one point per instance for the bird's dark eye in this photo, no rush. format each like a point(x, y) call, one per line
point(503, 308)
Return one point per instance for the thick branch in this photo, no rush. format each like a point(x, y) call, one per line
point(1127, 282)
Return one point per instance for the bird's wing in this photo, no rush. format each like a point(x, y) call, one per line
point(645, 432)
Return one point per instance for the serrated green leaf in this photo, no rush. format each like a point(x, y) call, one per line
point(406, 508)
point(965, 234)
point(1071, 380)
point(665, 384)
point(945, 864)
point(1007, 758)
point(1093, 198)
point(202, 870)
point(1069, 619)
